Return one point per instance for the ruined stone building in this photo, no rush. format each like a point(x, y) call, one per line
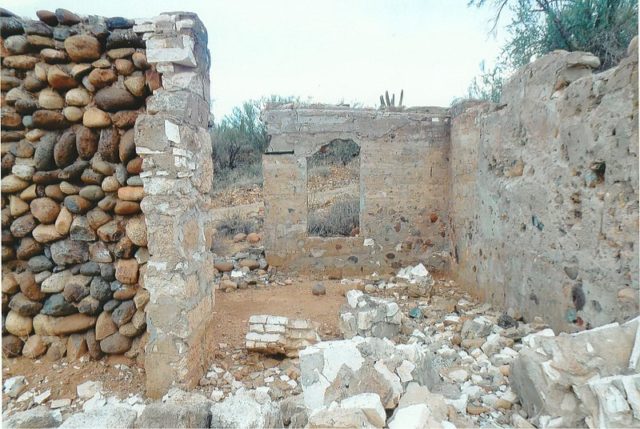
point(532, 204)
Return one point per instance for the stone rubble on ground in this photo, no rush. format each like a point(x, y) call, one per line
point(14, 386)
point(461, 364)
point(419, 408)
point(245, 268)
point(107, 416)
point(39, 417)
point(420, 282)
point(369, 316)
point(247, 409)
point(178, 409)
point(279, 335)
point(589, 376)
point(335, 370)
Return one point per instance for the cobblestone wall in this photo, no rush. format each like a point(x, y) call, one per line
point(73, 237)
point(106, 169)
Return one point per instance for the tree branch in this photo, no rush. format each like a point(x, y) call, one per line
point(546, 7)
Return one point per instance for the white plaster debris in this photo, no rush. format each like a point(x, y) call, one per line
point(88, 389)
point(60, 403)
point(414, 274)
point(14, 386)
point(42, 397)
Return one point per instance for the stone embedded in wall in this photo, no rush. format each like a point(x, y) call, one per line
point(64, 166)
point(544, 193)
point(368, 316)
point(279, 335)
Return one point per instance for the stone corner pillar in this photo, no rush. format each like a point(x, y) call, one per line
point(173, 140)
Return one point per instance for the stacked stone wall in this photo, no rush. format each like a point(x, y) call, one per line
point(280, 335)
point(172, 137)
point(74, 241)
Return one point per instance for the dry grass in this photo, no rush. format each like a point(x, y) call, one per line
point(339, 219)
point(233, 224)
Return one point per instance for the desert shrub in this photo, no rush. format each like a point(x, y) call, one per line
point(239, 140)
point(338, 151)
point(537, 27)
point(244, 175)
point(338, 220)
point(323, 171)
point(233, 224)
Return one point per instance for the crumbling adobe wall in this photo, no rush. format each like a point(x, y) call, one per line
point(73, 236)
point(544, 193)
point(403, 188)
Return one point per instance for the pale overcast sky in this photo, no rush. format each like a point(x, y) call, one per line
point(329, 50)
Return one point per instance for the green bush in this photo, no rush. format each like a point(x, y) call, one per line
point(537, 27)
point(338, 220)
point(239, 140)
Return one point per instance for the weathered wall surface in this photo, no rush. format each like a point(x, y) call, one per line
point(173, 140)
point(544, 193)
point(403, 188)
point(73, 236)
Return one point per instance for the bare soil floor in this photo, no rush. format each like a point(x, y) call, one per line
point(232, 312)
point(120, 376)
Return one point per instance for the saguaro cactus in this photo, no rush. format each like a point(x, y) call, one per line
point(387, 103)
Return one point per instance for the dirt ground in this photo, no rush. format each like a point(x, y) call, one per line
point(232, 310)
point(118, 374)
point(121, 377)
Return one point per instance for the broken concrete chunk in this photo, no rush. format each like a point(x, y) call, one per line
point(108, 416)
point(339, 418)
point(567, 379)
point(246, 410)
point(335, 370)
point(370, 405)
point(39, 417)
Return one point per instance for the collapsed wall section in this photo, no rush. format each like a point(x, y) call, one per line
point(544, 193)
point(403, 184)
point(73, 236)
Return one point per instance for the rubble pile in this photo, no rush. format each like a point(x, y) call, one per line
point(244, 269)
point(460, 364)
point(369, 316)
point(335, 370)
point(280, 335)
point(588, 377)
